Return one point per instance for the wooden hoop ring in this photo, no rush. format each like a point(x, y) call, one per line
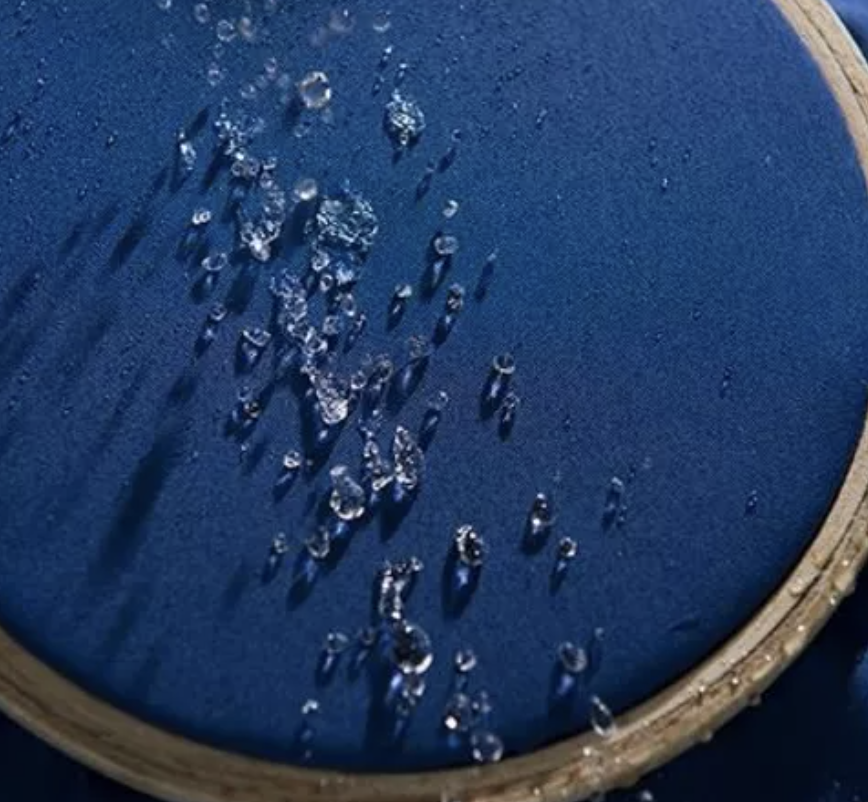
point(689, 711)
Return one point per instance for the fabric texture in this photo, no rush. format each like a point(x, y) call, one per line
point(723, 349)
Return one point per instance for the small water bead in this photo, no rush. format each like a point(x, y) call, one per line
point(347, 222)
point(454, 299)
point(347, 499)
point(404, 121)
point(246, 29)
point(401, 73)
point(439, 401)
point(469, 546)
point(503, 365)
point(225, 30)
point(163, 5)
point(645, 796)
point(602, 720)
point(419, 348)
point(367, 637)
point(408, 458)
point(378, 471)
point(341, 21)
point(450, 209)
point(310, 708)
point(541, 518)
point(567, 549)
point(248, 91)
point(465, 661)
point(394, 584)
point(201, 13)
point(332, 397)
point(188, 154)
point(445, 245)
point(319, 543)
point(509, 411)
point(215, 74)
point(253, 341)
point(403, 291)
point(752, 503)
point(217, 313)
point(573, 659)
point(315, 90)
point(458, 715)
point(613, 507)
point(201, 217)
point(412, 652)
point(336, 643)
point(305, 190)
point(486, 747)
point(381, 22)
point(215, 262)
point(280, 544)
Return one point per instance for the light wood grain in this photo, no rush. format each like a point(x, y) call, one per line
point(688, 712)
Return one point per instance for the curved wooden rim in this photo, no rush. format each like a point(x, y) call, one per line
point(689, 711)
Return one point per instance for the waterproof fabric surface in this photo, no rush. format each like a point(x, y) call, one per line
point(679, 232)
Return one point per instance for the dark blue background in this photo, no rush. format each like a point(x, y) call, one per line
point(750, 747)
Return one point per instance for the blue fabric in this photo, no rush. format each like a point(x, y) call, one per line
point(112, 451)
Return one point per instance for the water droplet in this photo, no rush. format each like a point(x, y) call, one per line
point(215, 262)
point(509, 412)
point(752, 502)
point(602, 720)
point(367, 637)
point(188, 154)
point(404, 121)
point(454, 299)
point(217, 313)
point(573, 659)
point(225, 30)
point(305, 190)
point(469, 546)
point(319, 543)
point(408, 458)
point(381, 22)
point(315, 90)
point(567, 549)
point(458, 714)
point(445, 245)
point(333, 400)
point(347, 499)
point(465, 661)
point(310, 707)
point(503, 365)
point(394, 584)
point(215, 74)
point(725, 383)
point(163, 5)
point(613, 508)
point(541, 517)
point(412, 652)
point(292, 461)
point(645, 796)
point(201, 217)
point(486, 747)
point(336, 643)
point(450, 209)
point(341, 21)
point(346, 222)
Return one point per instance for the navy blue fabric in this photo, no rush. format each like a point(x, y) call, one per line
point(680, 244)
